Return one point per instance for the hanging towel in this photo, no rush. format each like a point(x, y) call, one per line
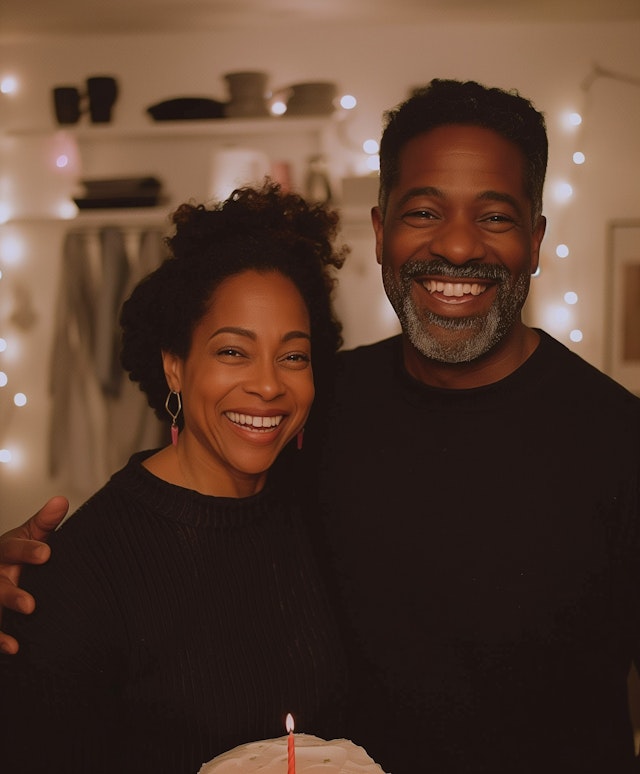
point(77, 409)
point(115, 274)
point(132, 425)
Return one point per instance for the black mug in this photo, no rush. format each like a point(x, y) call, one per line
point(102, 91)
point(66, 103)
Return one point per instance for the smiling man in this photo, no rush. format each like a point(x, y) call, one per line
point(457, 247)
point(479, 483)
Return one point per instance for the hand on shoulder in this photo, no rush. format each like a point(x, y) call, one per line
point(24, 545)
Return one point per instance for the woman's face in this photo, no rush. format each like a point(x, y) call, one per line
point(247, 382)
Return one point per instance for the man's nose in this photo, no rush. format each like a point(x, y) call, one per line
point(458, 241)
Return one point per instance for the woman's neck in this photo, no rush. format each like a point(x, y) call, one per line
point(175, 466)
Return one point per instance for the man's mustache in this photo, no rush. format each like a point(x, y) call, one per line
point(440, 267)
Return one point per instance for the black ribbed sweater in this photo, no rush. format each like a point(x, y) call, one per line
point(485, 548)
point(170, 627)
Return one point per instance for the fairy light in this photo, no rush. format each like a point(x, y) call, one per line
point(572, 119)
point(66, 209)
point(278, 107)
point(562, 191)
point(11, 249)
point(373, 163)
point(370, 146)
point(8, 84)
point(348, 101)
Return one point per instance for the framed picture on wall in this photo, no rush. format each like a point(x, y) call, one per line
point(623, 303)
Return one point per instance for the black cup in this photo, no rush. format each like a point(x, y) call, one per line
point(102, 91)
point(66, 102)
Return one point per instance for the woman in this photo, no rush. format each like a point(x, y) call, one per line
point(187, 615)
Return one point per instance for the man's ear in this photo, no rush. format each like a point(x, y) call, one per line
point(536, 242)
point(172, 365)
point(377, 220)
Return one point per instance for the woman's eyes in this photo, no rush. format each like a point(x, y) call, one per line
point(293, 358)
point(229, 352)
point(297, 357)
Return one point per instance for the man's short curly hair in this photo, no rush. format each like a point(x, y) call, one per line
point(444, 102)
point(254, 229)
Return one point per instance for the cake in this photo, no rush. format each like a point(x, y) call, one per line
point(313, 756)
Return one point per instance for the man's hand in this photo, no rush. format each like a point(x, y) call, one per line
point(23, 545)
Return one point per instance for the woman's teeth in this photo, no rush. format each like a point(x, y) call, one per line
point(256, 422)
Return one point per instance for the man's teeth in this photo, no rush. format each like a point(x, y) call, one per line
point(455, 288)
point(261, 423)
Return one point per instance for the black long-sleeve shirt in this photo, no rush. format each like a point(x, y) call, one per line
point(485, 550)
point(170, 627)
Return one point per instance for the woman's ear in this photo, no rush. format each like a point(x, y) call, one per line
point(172, 365)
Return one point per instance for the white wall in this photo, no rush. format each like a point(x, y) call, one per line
point(547, 63)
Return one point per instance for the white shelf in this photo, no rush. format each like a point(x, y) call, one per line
point(181, 154)
point(95, 218)
point(220, 127)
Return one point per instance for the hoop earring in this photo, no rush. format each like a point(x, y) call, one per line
point(174, 427)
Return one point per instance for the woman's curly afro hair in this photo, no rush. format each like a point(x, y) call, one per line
point(254, 229)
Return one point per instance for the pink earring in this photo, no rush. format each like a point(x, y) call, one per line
point(174, 426)
point(300, 439)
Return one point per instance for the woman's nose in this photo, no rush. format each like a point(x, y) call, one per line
point(265, 381)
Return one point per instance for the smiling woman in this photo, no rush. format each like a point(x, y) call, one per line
point(182, 612)
point(247, 386)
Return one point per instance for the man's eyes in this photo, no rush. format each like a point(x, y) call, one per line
point(419, 216)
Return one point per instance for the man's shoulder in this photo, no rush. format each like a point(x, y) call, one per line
point(562, 361)
point(380, 352)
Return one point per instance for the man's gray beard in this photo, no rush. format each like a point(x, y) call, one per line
point(485, 331)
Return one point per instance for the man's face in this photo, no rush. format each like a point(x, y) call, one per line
point(456, 244)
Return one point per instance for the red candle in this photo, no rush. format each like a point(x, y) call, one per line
point(291, 748)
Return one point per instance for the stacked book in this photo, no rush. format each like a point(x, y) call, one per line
point(119, 192)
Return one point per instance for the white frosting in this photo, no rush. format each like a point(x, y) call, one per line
point(313, 756)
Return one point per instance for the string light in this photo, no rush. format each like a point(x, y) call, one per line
point(8, 84)
point(562, 191)
point(348, 102)
point(11, 254)
point(278, 107)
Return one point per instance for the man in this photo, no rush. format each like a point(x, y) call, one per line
point(479, 484)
